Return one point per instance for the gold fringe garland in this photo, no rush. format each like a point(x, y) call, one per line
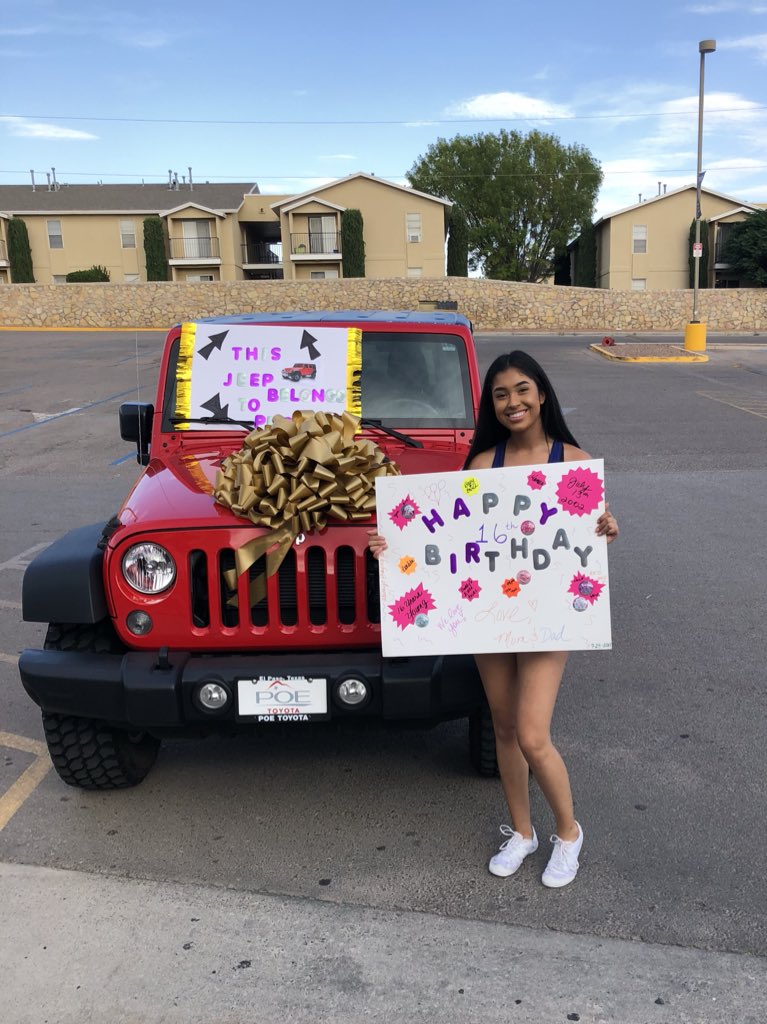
point(354, 371)
point(184, 373)
point(291, 477)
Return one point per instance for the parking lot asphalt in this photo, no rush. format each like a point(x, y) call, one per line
point(664, 736)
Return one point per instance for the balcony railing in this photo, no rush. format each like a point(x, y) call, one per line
point(194, 249)
point(316, 243)
point(3, 250)
point(262, 252)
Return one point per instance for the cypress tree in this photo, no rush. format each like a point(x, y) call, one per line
point(19, 252)
point(458, 244)
point(352, 244)
point(586, 258)
point(154, 249)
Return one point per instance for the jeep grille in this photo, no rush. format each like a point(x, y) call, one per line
point(316, 590)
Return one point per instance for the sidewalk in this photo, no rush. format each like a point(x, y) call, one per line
point(83, 948)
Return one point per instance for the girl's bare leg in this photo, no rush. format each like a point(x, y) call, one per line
point(499, 678)
point(538, 677)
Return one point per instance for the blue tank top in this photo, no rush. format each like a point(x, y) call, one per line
point(557, 453)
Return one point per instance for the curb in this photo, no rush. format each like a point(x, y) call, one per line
point(683, 357)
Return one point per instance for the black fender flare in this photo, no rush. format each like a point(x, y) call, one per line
point(64, 583)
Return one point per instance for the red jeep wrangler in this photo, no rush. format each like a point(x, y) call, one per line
point(144, 639)
point(300, 371)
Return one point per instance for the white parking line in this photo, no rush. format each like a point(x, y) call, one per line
point(15, 605)
point(9, 659)
point(22, 560)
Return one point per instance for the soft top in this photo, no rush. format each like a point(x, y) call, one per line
point(344, 316)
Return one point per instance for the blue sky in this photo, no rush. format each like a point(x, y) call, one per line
point(102, 91)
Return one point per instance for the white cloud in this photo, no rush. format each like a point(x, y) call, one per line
point(757, 43)
point(31, 30)
point(507, 106)
point(725, 7)
point(21, 128)
point(337, 156)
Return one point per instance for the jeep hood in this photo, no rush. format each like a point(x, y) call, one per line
point(177, 493)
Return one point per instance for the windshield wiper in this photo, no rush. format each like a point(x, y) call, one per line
point(411, 441)
point(212, 419)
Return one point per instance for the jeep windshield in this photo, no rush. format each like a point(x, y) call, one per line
point(409, 380)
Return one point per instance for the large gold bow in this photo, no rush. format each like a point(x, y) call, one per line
point(292, 476)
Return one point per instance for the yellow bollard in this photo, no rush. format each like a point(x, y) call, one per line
point(695, 337)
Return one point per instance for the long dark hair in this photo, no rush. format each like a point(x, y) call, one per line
point(490, 432)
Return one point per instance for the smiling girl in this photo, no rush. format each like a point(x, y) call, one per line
point(520, 423)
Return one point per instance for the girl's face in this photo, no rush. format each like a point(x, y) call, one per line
point(517, 400)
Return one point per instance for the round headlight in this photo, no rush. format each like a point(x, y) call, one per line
point(148, 568)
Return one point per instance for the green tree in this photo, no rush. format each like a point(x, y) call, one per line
point(94, 273)
point(458, 244)
point(155, 249)
point(746, 249)
point(523, 196)
point(352, 244)
point(586, 258)
point(19, 252)
point(703, 259)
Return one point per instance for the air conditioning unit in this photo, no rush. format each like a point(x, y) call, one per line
point(414, 238)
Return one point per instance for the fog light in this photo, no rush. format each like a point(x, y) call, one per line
point(212, 696)
point(139, 623)
point(352, 692)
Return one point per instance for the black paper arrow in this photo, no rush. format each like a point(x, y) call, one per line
point(216, 409)
point(308, 342)
point(216, 341)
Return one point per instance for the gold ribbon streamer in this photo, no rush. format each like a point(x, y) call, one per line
point(291, 477)
point(184, 373)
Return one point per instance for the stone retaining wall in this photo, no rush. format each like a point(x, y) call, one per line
point(490, 305)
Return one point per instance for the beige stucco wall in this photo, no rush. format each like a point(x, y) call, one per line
point(665, 264)
point(490, 305)
point(88, 239)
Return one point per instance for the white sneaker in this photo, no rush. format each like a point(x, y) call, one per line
point(512, 852)
point(563, 865)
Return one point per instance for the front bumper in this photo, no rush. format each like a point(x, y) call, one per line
point(140, 690)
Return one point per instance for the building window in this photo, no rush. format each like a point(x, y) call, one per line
point(414, 271)
point(639, 238)
point(638, 284)
point(197, 239)
point(132, 278)
point(55, 240)
point(199, 277)
point(128, 234)
point(59, 278)
point(413, 227)
point(319, 275)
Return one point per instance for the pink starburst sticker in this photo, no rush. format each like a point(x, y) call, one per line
point(580, 491)
point(470, 590)
point(585, 587)
point(536, 480)
point(412, 607)
point(404, 513)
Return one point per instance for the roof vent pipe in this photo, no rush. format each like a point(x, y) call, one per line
point(664, 189)
point(55, 183)
point(48, 176)
point(170, 179)
point(640, 197)
point(32, 173)
point(659, 185)
point(191, 183)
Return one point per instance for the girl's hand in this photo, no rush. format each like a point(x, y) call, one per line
point(376, 543)
point(607, 525)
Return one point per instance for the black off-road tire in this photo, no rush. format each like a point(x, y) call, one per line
point(482, 742)
point(85, 752)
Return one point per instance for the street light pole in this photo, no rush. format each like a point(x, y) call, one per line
point(695, 332)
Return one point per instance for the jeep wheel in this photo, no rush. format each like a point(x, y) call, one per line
point(85, 752)
point(295, 377)
point(482, 742)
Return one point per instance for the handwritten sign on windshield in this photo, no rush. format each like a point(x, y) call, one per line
point(253, 372)
point(494, 560)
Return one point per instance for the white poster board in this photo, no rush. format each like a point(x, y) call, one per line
point(494, 560)
point(252, 372)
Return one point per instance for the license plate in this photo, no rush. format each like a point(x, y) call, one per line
point(283, 698)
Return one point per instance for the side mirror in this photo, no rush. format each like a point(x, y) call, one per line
point(136, 425)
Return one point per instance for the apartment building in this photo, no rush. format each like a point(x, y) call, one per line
point(646, 246)
point(225, 232)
